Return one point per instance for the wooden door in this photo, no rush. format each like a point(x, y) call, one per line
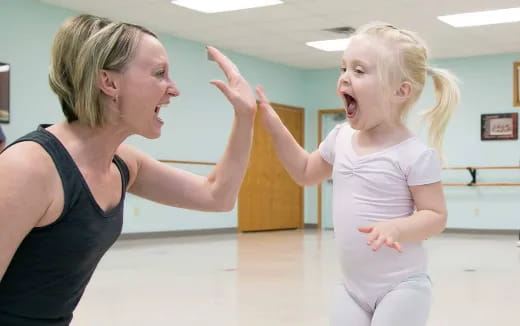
point(269, 199)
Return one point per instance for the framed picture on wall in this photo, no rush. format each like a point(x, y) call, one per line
point(516, 83)
point(4, 92)
point(499, 126)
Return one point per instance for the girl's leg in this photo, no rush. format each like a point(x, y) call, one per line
point(408, 304)
point(346, 311)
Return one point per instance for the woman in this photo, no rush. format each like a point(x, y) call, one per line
point(63, 186)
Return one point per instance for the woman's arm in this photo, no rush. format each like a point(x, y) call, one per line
point(28, 191)
point(218, 191)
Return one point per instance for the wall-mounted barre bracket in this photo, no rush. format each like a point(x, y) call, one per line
point(473, 173)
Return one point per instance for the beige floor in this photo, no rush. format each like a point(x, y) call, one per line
point(284, 278)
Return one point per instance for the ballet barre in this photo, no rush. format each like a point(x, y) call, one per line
point(473, 173)
point(187, 162)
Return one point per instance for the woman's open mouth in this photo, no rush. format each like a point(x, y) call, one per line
point(157, 109)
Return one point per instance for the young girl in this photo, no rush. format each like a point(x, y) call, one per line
point(387, 194)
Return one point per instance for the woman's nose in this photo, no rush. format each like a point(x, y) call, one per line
point(173, 90)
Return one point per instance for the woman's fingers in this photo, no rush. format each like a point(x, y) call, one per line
point(224, 88)
point(227, 66)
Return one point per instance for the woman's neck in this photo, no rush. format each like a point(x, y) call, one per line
point(93, 147)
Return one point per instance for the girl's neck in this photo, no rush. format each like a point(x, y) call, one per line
point(383, 135)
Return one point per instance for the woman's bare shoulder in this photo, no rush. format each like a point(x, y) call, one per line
point(27, 157)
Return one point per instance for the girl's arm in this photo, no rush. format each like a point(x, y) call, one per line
point(428, 220)
point(304, 168)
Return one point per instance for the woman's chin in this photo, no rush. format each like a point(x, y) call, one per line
point(155, 135)
point(151, 134)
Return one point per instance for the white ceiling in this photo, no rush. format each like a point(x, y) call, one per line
point(278, 33)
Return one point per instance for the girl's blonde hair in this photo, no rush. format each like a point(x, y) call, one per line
point(82, 47)
point(408, 61)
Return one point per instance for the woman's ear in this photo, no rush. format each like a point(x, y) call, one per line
point(108, 83)
point(403, 93)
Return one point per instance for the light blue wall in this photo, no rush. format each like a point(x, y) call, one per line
point(198, 122)
point(26, 31)
point(486, 87)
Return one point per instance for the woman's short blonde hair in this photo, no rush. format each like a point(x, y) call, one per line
point(83, 46)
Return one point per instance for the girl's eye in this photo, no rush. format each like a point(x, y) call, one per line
point(160, 73)
point(359, 71)
point(343, 69)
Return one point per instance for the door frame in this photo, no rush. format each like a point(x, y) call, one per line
point(321, 113)
point(302, 111)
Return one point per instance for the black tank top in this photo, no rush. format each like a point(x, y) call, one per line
point(52, 266)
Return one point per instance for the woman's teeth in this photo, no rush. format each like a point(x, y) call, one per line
point(158, 107)
point(157, 110)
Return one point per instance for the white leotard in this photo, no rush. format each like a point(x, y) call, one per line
point(372, 188)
